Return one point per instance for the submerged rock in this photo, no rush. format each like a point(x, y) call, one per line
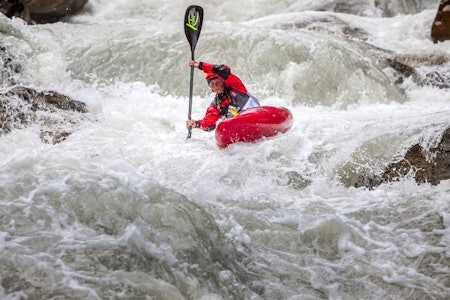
point(391, 8)
point(432, 70)
point(296, 180)
point(55, 114)
point(440, 30)
point(353, 7)
point(384, 8)
point(332, 25)
point(425, 165)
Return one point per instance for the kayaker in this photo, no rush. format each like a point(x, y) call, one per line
point(231, 95)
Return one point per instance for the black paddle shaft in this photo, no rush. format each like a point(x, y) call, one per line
point(193, 20)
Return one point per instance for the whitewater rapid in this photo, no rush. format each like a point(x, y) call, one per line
point(127, 208)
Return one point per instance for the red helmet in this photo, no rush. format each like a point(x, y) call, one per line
point(211, 76)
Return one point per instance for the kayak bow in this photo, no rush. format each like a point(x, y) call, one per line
point(253, 124)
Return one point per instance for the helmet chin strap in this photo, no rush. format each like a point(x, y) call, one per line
point(224, 91)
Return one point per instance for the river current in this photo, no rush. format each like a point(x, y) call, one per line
point(127, 208)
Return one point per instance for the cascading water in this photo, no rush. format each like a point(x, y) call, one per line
point(126, 208)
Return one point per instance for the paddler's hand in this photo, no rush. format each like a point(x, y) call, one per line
point(194, 63)
point(191, 124)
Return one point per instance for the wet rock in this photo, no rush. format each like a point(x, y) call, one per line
point(432, 70)
point(431, 167)
point(9, 66)
point(440, 30)
point(404, 69)
point(441, 163)
point(15, 8)
point(41, 11)
point(414, 163)
point(55, 114)
point(50, 11)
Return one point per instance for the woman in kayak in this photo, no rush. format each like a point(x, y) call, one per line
point(231, 95)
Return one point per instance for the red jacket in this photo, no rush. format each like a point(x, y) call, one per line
point(237, 92)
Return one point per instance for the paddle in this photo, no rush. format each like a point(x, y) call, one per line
point(192, 26)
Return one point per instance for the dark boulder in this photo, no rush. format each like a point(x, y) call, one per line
point(41, 11)
point(440, 30)
point(15, 8)
point(50, 11)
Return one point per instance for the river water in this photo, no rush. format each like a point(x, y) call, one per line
point(127, 208)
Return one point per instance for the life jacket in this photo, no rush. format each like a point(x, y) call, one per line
point(230, 102)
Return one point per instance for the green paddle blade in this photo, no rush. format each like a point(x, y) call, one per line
point(193, 20)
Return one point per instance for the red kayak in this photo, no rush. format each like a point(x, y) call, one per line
point(253, 124)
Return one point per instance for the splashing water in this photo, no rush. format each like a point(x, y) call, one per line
point(126, 208)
